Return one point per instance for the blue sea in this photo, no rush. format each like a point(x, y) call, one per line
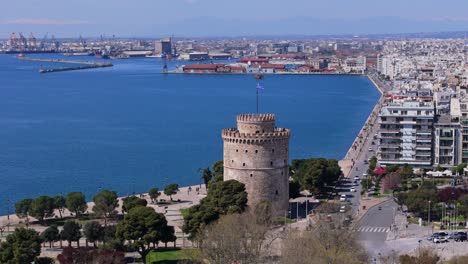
point(129, 128)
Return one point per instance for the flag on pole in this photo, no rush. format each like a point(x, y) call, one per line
point(259, 86)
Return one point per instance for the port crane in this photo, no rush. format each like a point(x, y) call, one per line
point(32, 40)
point(43, 41)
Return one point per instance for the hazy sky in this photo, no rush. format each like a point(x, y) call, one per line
point(194, 17)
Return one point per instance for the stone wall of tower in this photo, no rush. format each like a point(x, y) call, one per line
point(256, 154)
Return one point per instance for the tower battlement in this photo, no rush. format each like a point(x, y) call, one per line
point(255, 117)
point(278, 134)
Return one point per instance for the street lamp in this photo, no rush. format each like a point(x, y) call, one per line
point(429, 214)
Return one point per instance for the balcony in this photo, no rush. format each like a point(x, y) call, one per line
point(389, 130)
point(423, 131)
point(387, 137)
point(445, 138)
point(390, 145)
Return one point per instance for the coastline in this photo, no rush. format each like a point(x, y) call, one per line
point(355, 149)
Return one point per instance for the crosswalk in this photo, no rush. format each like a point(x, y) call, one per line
point(373, 229)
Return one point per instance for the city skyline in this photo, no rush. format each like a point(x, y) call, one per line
point(145, 18)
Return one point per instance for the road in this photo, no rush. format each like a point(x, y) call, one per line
point(375, 225)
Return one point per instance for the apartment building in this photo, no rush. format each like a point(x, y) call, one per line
point(406, 132)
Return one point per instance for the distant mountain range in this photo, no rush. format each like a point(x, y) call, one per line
point(210, 27)
point(308, 26)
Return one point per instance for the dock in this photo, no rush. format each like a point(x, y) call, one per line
point(84, 64)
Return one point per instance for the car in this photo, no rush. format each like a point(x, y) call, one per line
point(459, 236)
point(371, 149)
point(440, 239)
point(364, 174)
point(356, 177)
point(352, 190)
point(380, 208)
point(343, 198)
point(342, 209)
point(366, 162)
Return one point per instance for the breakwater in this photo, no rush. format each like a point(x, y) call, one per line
point(84, 64)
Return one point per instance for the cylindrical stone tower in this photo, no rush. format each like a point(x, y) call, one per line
point(256, 154)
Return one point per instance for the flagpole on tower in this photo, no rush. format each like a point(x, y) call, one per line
point(257, 99)
point(259, 86)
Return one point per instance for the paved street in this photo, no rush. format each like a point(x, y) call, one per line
point(375, 226)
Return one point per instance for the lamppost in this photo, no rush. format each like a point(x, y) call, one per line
point(8, 215)
point(429, 214)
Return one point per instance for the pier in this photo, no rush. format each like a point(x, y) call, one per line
point(84, 64)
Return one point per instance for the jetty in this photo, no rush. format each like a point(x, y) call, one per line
point(84, 64)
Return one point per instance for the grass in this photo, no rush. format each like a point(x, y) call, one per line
point(184, 212)
point(170, 256)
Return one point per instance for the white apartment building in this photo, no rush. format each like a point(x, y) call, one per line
point(406, 132)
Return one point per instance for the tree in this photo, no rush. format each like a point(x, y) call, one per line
point(206, 176)
point(142, 228)
point(236, 238)
point(91, 256)
point(226, 197)
point(463, 205)
point(22, 208)
point(458, 170)
point(406, 171)
point(109, 233)
point(168, 235)
point(51, 234)
point(22, 246)
point(71, 232)
point(294, 189)
point(76, 203)
point(391, 181)
point(425, 256)
point(450, 194)
point(41, 207)
point(44, 260)
point(93, 232)
point(154, 194)
point(59, 202)
point(439, 168)
point(326, 243)
point(316, 175)
point(171, 189)
point(131, 202)
point(458, 260)
point(105, 203)
point(218, 171)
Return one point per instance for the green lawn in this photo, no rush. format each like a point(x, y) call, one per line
point(184, 212)
point(170, 256)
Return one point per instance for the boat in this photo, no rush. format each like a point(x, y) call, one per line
point(259, 76)
point(21, 55)
point(77, 54)
point(101, 55)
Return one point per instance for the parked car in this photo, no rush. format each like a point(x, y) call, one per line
point(352, 189)
point(356, 177)
point(342, 209)
point(343, 198)
point(440, 237)
point(371, 149)
point(459, 236)
point(366, 162)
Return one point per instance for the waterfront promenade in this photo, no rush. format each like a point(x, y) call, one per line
point(367, 132)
